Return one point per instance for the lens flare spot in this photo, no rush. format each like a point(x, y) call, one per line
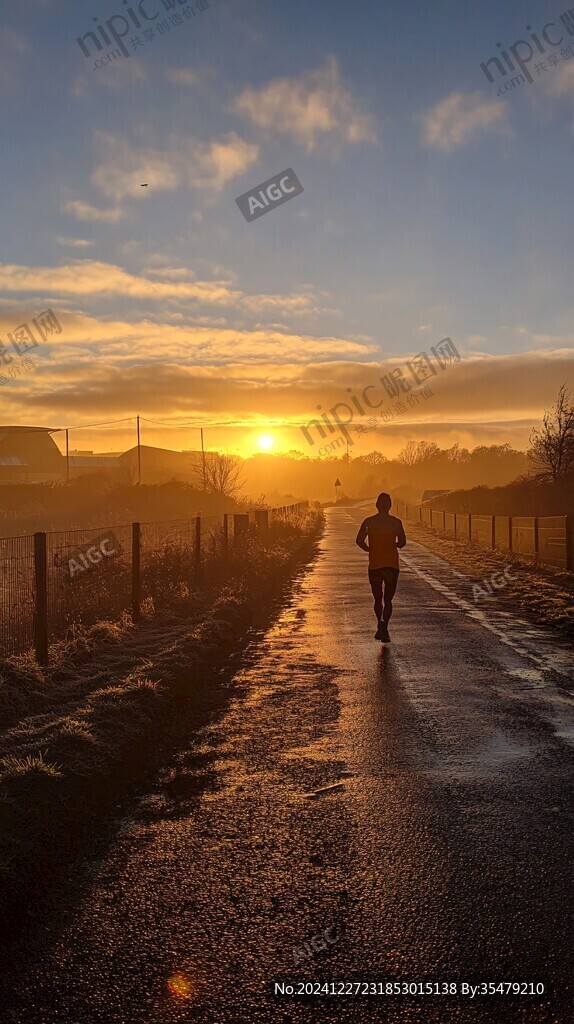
point(180, 986)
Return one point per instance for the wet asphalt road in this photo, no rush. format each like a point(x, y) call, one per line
point(446, 853)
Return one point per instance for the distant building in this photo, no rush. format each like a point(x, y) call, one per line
point(159, 465)
point(29, 455)
point(89, 464)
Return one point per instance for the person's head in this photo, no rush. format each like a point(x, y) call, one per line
point(384, 502)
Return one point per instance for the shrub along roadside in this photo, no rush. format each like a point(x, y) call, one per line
point(91, 729)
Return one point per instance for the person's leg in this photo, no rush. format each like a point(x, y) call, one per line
point(391, 579)
point(375, 579)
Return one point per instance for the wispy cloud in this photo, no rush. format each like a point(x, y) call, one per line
point(190, 163)
point(74, 243)
point(211, 165)
point(185, 76)
point(85, 211)
point(312, 109)
point(187, 379)
point(560, 82)
point(122, 74)
point(87, 278)
point(461, 118)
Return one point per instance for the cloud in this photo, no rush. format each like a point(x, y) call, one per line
point(211, 165)
point(125, 168)
point(560, 83)
point(85, 211)
point(142, 368)
point(461, 118)
point(187, 162)
point(75, 243)
point(86, 278)
point(312, 109)
point(183, 76)
point(120, 75)
point(91, 344)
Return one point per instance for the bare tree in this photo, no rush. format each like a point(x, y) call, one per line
point(552, 444)
point(457, 454)
point(375, 458)
point(416, 452)
point(223, 475)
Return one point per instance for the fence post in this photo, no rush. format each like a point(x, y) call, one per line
point(261, 519)
point(510, 533)
point(136, 571)
point(420, 513)
point(197, 546)
point(569, 542)
point(535, 538)
point(240, 525)
point(470, 527)
point(493, 532)
point(444, 520)
point(41, 599)
point(225, 532)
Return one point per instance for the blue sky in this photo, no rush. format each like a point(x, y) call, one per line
point(431, 207)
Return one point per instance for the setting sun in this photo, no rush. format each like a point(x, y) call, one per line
point(265, 441)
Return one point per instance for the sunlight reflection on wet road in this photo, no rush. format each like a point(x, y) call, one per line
point(444, 853)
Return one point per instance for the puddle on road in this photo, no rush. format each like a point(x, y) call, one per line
point(531, 676)
point(566, 733)
point(490, 759)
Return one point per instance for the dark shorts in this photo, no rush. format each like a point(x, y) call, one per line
point(387, 575)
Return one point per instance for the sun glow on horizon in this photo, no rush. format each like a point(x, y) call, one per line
point(265, 441)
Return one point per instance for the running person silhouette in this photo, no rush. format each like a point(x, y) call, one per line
point(385, 534)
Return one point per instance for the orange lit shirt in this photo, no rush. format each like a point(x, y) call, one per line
point(383, 533)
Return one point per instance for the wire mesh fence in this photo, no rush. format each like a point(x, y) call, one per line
point(88, 577)
point(169, 562)
point(553, 540)
point(546, 539)
point(51, 583)
point(16, 594)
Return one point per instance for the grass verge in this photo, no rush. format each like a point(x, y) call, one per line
point(541, 593)
point(79, 732)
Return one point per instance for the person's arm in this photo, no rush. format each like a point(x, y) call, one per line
point(401, 538)
point(361, 537)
